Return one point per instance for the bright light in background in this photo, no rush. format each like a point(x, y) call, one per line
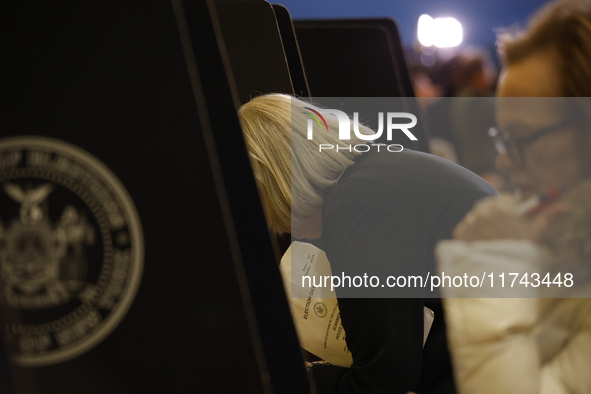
point(441, 32)
point(448, 32)
point(425, 30)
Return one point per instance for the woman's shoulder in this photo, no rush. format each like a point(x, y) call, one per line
point(414, 167)
point(409, 178)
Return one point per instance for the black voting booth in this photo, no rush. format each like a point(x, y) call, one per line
point(261, 47)
point(353, 58)
point(292, 51)
point(358, 58)
point(120, 150)
point(253, 47)
point(121, 159)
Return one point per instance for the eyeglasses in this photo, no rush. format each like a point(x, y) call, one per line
point(513, 147)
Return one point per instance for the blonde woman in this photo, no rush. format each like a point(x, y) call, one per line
point(380, 213)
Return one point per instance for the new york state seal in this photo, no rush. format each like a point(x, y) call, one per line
point(71, 250)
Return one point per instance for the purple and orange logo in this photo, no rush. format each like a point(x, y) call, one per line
point(316, 115)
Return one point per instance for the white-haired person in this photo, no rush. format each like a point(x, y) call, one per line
point(538, 340)
point(375, 212)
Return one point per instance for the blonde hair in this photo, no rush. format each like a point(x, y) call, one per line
point(293, 177)
point(564, 27)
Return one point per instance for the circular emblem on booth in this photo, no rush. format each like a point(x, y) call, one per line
point(71, 250)
point(320, 309)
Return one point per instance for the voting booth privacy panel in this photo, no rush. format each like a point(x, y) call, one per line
point(130, 225)
point(254, 47)
point(358, 58)
point(292, 51)
point(134, 256)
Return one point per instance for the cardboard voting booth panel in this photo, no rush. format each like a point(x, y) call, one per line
point(122, 246)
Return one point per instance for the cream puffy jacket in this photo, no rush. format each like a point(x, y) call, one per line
point(522, 344)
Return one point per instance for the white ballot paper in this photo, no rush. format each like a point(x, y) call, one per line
point(315, 311)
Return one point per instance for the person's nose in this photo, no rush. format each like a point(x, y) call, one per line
point(505, 164)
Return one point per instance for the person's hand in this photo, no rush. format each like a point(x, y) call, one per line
point(494, 218)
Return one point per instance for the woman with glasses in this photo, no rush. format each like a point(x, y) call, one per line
point(531, 334)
